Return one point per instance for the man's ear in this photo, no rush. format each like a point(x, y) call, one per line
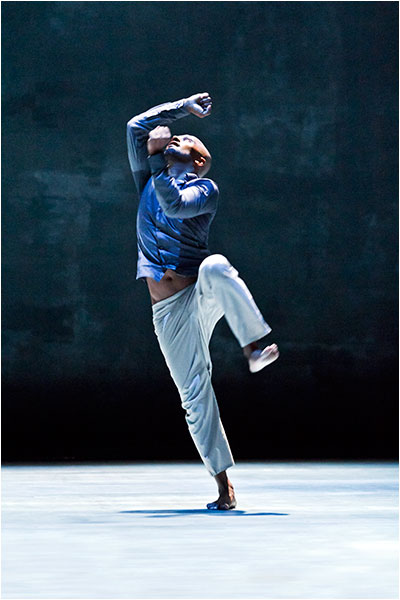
point(199, 162)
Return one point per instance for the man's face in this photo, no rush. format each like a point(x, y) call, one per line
point(181, 148)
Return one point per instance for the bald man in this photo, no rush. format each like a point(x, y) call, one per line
point(190, 289)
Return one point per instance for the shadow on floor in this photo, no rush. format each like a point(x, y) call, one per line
point(200, 511)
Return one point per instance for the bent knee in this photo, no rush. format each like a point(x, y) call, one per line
point(216, 264)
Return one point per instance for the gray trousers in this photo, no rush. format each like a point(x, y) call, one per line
point(184, 324)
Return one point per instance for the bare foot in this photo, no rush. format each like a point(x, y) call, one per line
point(226, 499)
point(259, 359)
point(222, 503)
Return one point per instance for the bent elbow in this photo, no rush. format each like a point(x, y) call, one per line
point(135, 127)
point(132, 124)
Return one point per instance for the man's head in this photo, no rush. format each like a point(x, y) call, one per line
point(189, 149)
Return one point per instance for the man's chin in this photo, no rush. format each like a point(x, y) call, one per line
point(173, 154)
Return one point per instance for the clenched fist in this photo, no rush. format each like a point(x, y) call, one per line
point(199, 104)
point(158, 139)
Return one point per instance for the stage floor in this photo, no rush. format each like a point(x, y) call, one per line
point(301, 530)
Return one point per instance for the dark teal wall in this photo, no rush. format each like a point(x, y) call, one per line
point(304, 140)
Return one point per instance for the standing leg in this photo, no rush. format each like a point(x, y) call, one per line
point(182, 341)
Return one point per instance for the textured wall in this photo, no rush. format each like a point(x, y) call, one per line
point(304, 140)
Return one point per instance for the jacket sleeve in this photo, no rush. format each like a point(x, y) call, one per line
point(199, 198)
point(138, 129)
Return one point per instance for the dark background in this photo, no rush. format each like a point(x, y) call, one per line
point(304, 140)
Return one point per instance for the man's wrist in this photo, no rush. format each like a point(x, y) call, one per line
point(185, 105)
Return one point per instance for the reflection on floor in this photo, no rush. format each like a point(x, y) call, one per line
point(301, 530)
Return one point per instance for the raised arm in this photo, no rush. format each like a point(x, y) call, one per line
point(139, 127)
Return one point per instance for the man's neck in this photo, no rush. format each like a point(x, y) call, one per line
point(179, 169)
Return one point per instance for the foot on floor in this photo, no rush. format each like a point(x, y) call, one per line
point(223, 503)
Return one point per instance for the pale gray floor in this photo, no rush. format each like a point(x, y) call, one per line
point(301, 530)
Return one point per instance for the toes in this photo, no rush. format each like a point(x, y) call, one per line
point(260, 359)
point(223, 506)
point(273, 349)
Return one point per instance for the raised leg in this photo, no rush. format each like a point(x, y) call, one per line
point(222, 289)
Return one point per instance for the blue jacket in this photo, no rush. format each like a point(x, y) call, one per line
point(174, 215)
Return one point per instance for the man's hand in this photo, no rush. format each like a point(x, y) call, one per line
point(158, 139)
point(199, 104)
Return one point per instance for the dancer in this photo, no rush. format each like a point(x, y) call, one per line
point(190, 289)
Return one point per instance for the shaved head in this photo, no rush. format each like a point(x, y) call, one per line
point(188, 148)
